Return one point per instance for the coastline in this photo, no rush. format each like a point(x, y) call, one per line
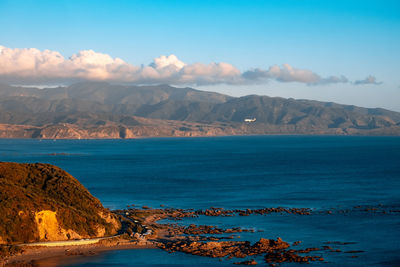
point(199, 240)
point(168, 237)
point(59, 253)
point(160, 128)
point(204, 136)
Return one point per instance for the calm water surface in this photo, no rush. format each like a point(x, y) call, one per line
point(321, 172)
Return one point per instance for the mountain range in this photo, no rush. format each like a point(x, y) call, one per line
point(102, 110)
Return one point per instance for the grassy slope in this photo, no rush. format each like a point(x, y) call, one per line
point(29, 188)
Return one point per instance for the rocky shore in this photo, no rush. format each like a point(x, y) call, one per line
point(215, 242)
point(160, 228)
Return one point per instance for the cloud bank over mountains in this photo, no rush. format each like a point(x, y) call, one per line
point(32, 66)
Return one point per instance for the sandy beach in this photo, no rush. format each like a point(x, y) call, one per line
point(53, 255)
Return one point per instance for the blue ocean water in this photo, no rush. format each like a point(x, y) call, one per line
point(321, 172)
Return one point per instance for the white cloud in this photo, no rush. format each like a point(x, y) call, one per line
point(210, 73)
point(32, 66)
point(167, 61)
point(287, 73)
point(368, 80)
point(29, 65)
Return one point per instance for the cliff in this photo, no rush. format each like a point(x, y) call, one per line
point(41, 202)
point(164, 128)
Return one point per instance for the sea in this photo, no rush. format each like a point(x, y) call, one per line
point(351, 182)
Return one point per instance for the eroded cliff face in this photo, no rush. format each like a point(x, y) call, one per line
point(41, 202)
point(160, 128)
point(49, 228)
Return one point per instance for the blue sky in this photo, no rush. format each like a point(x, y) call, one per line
point(329, 38)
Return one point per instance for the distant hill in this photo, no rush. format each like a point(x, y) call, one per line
point(105, 93)
point(41, 202)
point(91, 105)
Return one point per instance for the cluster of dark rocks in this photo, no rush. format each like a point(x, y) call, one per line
point(209, 240)
point(276, 251)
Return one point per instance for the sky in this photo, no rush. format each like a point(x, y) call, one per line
point(342, 51)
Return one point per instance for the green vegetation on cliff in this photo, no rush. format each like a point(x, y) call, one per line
point(42, 202)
